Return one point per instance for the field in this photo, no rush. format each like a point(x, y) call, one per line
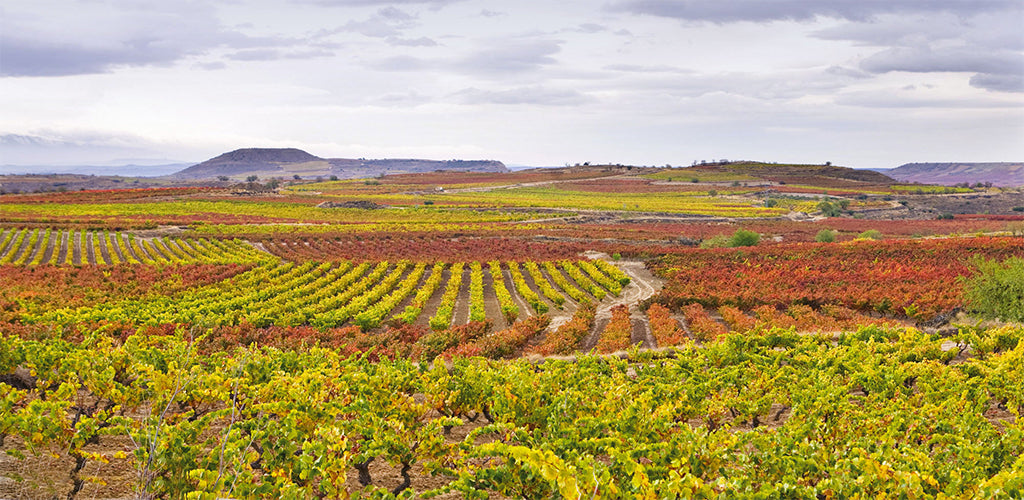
point(572, 333)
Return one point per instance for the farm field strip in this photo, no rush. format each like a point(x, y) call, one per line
point(878, 413)
point(548, 196)
point(33, 247)
point(909, 278)
point(335, 294)
point(429, 248)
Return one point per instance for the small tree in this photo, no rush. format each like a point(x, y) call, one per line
point(828, 209)
point(744, 238)
point(252, 178)
point(997, 289)
point(825, 236)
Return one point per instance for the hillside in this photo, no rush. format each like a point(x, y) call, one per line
point(825, 176)
point(288, 162)
point(1006, 174)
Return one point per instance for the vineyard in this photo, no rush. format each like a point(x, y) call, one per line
point(539, 334)
point(330, 295)
point(33, 247)
point(762, 414)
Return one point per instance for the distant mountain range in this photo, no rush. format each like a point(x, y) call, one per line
point(1005, 174)
point(121, 170)
point(267, 163)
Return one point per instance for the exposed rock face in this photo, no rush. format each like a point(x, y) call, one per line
point(1007, 174)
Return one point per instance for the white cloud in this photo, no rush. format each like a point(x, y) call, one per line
point(522, 95)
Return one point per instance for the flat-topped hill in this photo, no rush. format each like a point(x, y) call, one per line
point(289, 162)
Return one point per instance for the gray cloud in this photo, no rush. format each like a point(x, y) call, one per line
point(999, 71)
point(491, 13)
point(510, 56)
point(999, 83)
point(387, 22)
point(522, 95)
point(910, 97)
point(926, 60)
point(255, 55)
point(591, 28)
point(720, 11)
point(636, 68)
point(412, 42)
point(275, 54)
point(843, 71)
point(362, 3)
point(153, 34)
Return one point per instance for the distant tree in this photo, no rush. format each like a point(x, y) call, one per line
point(223, 178)
point(252, 178)
point(297, 177)
point(334, 177)
point(825, 236)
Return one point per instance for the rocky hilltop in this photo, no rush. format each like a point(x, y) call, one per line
point(1006, 174)
point(268, 163)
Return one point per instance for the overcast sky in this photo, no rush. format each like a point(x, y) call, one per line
point(861, 83)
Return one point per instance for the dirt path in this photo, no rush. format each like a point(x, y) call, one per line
point(76, 242)
point(64, 238)
point(643, 285)
point(90, 248)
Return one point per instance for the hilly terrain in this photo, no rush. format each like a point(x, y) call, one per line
point(1005, 174)
point(773, 174)
point(290, 162)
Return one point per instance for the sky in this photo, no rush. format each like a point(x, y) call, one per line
point(860, 83)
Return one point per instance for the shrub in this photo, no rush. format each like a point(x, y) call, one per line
point(825, 236)
point(720, 241)
point(828, 209)
point(996, 290)
point(744, 238)
point(870, 234)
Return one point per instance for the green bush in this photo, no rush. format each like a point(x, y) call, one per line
point(870, 234)
point(825, 236)
point(828, 209)
point(744, 238)
point(720, 241)
point(996, 290)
